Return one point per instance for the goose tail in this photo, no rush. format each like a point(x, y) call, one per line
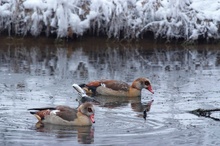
point(80, 91)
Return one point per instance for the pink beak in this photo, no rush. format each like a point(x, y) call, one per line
point(92, 118)
point(150, 89)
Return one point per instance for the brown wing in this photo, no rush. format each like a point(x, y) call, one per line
point(67, 113)
point(41, 114)
point(116, 85)
point(112, 84)
point(94, 84)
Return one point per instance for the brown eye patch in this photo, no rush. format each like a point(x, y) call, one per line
point(89, 110)
point(147, 83)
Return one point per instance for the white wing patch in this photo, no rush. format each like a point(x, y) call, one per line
point(103, 85)
point(54, 112)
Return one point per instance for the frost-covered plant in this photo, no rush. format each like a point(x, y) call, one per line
point(128, 19)
point(63, 17)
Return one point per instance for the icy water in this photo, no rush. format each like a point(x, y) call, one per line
point(39, 73)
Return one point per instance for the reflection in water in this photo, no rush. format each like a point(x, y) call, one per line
point(101, 63)
point(183, 79)
point(113, 102)
point(85, 135)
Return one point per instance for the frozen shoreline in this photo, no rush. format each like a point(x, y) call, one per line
point(131, 19)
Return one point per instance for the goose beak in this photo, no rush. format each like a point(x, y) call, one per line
point(92, 118)
point(150, 89)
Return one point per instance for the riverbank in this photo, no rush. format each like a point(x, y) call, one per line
point(171, 20)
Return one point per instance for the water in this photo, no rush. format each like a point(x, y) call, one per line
point(40, 73)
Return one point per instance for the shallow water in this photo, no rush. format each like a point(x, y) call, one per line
point(40, 73)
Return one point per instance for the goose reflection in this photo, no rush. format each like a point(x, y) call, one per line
point(84, 134)
point(141, 108)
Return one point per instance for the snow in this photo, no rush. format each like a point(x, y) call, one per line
point(4, 12)
point(33, 4)
point(130, 19)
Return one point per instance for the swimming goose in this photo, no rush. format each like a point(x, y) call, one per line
point(117, 88)
point(64, 115)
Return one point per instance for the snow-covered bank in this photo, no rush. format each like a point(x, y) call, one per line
point(188, 19)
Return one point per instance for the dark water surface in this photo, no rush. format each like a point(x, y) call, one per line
point(39, 73)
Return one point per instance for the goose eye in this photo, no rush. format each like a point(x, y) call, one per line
point(147, 83)
point(89, 110)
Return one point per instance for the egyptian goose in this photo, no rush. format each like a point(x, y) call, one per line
point(64, 115)
point(117, 88)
